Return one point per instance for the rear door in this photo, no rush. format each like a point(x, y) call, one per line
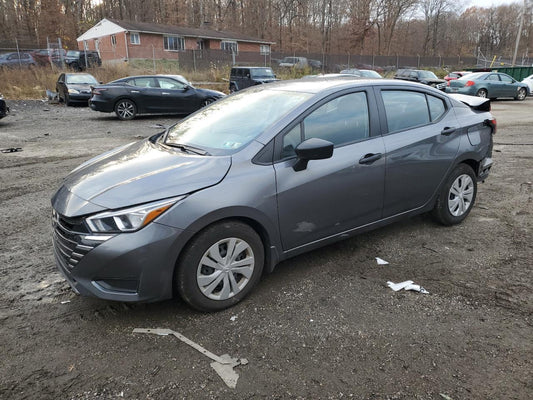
point(335, 195)
point(421, 138)
point(508, 85)
point(145, 92)
point(495, 87)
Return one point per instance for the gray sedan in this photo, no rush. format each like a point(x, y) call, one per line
point(206, 207)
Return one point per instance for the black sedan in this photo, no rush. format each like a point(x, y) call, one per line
point(75, 88)
point(150, 94)
point(4, 109)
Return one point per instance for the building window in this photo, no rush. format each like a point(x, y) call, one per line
point(229, 46)
point(173, 43)
point(113, 40)
point(264, 49)
point(135, 38)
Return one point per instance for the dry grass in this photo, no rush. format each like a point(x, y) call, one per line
point(31, 83)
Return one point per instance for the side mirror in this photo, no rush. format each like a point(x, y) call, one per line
point(186, 88)
point(312, 149)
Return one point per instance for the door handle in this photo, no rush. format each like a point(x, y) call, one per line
point(134, 91)
point(370, 158)
point(447, 131)
point(165, 93)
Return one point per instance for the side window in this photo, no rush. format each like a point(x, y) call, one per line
point(437, 107)
point(506, 79)
point(165, 83)
point(492, 77)
point(340, 121)
point(405, 109)
point(144, 82)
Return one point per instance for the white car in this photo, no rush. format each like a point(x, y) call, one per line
point(529, 81)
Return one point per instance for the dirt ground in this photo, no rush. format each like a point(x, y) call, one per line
point(323, 325)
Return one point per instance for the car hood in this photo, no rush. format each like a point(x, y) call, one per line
point(265, 80)
point(210, 93)
point(134, 174)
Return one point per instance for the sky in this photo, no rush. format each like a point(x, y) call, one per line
point(490, 3)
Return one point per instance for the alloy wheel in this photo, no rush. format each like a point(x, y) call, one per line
point(125, 110)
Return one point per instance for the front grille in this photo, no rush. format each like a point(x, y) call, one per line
point(69, 243)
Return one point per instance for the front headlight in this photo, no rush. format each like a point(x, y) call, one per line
point(73, 91)
point(129, 219)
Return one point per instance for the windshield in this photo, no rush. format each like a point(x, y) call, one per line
point(262, 73)
point(428, 74)
point(233, 122)
point(81, 78)
point(73, 53)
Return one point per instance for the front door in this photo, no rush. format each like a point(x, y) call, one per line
point(176, 97)
point(337, 194)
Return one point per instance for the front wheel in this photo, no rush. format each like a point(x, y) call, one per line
point(521, 94)
point(220, 266)
point(206, 102)
point(125, 109)
point(457, 197)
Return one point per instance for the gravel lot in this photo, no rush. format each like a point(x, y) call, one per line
point(323, 325)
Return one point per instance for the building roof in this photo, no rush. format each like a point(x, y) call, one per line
point(110, 26)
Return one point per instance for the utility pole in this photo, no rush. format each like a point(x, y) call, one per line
point(519, 33)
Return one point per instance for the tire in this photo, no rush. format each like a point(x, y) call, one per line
point(521, 94)
point(125, 109)
point(232, 88)
point(206, 102)
point(482, 93)
point(210, 285)
point(67, 100)
point(457, 196)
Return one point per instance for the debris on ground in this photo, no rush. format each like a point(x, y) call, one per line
point(407, 285)
point(11, 150)
point(51, 97)
point(381, 262)
point(223, 365)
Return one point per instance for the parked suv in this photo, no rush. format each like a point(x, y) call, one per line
point(4, 109)
point(243, 77)
point(294, 62)
point(79, 60)
point(421, 76)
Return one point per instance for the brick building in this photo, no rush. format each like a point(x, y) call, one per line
point(124, 40)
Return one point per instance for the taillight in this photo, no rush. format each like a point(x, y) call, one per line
point(492, 123)
point(98, 91)
point(470, 83)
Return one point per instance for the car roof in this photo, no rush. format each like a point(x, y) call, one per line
point(237, 66)
point(320, 84)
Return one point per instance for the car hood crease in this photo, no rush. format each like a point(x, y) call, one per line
point(145, 172)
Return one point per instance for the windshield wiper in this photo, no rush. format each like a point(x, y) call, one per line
point(188, 149)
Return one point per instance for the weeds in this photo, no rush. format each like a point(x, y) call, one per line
point(31, 83)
